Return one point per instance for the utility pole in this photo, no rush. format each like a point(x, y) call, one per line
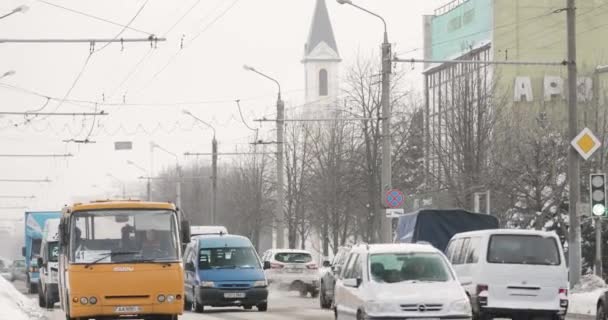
point(574, 233)
point(386, 227)
point(279, 216)
point(280, 189)
point(214, 180)
point(178, 187)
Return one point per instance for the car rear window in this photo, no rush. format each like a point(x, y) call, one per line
point(523, 249)
point(293, 257)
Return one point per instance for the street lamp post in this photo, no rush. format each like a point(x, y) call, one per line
point(178, 186)
point(213, 167)
point(148, 184)
point(22, 9)
point(280, 131)
point(8, 74)
point(386, 180)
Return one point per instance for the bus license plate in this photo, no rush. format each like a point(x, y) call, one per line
point(127, 309)
point(234, 295)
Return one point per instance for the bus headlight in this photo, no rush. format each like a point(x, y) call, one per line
point(84, 300)
point(161, 298)
point(92, 300)
point(170, 298)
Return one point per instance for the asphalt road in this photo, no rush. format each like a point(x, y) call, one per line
point(281, 305)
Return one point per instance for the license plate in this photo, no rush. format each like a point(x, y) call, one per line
point(295, 270)
point(127, 309)
point(234, 295)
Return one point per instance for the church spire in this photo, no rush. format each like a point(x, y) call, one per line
point(321, 30)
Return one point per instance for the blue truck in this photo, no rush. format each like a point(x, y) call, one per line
point(34, 223)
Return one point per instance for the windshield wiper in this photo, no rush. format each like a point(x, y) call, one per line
point(110, 255)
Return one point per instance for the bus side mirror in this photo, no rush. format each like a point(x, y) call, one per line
point(267, 265)
point(40, 262)
point(63, 234)
point(185, 231)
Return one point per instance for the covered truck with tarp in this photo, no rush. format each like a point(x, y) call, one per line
point(437, 226)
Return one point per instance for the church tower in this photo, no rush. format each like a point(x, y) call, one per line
point(321, 63)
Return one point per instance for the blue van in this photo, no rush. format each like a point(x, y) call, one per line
point(223, 271)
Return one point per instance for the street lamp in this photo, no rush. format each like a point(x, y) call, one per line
point(22, 9)
point(178, 187)
point(8, 74)
point(148, 186)
point(280, 132)
point(385, 223)
point(213, 167)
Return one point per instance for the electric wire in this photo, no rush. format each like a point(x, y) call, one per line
point(141, 8)
point(93, 17)
point(238, 104)
point(174, 56)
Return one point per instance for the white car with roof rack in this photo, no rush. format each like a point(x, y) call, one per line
point(399, 281)
point(292, 270)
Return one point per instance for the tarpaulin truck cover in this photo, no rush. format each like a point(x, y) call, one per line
point(439, 226)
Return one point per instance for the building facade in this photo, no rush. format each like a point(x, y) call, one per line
point(461, 99)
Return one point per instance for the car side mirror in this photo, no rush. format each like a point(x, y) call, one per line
point(326, 264)
point(353, 283)
point(266, 265)
point(336, 269)
point(185, 231)
point(40, 262)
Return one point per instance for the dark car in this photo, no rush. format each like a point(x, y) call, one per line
point(328, 278)
point(17, 270)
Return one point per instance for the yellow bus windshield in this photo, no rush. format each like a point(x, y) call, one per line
point(124, 236)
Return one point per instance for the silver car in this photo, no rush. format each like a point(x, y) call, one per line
point(328, 278)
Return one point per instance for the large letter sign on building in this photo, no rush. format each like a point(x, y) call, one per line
point(523, 89)
point(554, 86)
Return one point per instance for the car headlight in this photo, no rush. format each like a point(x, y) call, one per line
point(461, 307)
point(260, 284)
point(207, 284)
point(375, 307)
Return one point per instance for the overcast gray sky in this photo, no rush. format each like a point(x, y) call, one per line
point(219, 37)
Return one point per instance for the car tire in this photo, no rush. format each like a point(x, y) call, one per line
point(41, 299)
point(196, 307)
point(361, 315)
point(314, 293)
point(262, 307)
point(187, 304)
point(601, 313)
point(323, 301)
point(303, 291)
point(247, 307)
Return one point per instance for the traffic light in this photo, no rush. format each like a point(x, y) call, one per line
point(598, 194)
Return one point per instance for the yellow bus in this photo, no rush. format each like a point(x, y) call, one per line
point(122, 259)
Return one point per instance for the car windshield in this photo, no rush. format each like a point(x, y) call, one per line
point(399, 267)
point(228, 258)
point(524, 249)
point(53, 253)
point(118, 236)
point(293, 257)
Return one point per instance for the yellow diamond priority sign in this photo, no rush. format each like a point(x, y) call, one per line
point(586, 143)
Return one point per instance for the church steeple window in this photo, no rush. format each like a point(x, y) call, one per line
point(323, 85)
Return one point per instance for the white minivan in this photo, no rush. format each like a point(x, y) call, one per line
point(511, 273)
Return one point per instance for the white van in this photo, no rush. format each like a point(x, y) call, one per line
point(511, 273)
point(48, 293)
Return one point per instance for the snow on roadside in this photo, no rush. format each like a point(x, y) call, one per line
point(16, 306)
point(583, 300)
